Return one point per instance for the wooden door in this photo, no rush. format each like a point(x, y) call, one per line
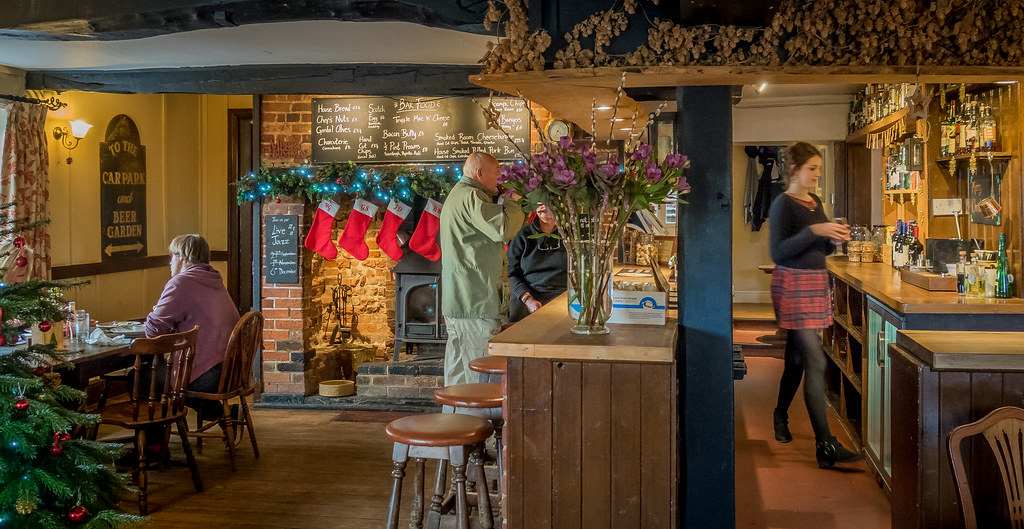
point(240, 277)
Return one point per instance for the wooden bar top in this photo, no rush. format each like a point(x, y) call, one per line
point(883, 283)
point(547, 334)
point(966, 350)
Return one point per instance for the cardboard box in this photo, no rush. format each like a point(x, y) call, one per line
point(633, 307)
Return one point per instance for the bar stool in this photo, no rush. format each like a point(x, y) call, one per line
point(491, 368)
point(481, 399)
point(446, 437)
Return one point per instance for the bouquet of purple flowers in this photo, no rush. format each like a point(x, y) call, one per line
point(591, 200)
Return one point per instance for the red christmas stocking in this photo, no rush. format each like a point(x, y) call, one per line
point(393, 217)
point(355, 229)
point(424, 239)
point(319, 237)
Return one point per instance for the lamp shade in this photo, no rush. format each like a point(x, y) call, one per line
point(79, 128)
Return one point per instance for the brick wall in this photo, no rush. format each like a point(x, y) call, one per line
point(294, 313)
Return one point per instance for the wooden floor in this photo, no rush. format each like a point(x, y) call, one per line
point(313, 472)
point(319, 470)
point(779, 486)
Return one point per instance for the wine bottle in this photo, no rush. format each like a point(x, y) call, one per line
point(961, 274)
point(1003, 288)
point(916, 248)
point(988, 131)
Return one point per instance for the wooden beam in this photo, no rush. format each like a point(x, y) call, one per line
point(609, 77)
point(124, 19)
point(362, 79)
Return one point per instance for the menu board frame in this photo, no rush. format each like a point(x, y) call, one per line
point(281, 235)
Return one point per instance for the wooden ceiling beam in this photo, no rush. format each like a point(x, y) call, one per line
point(333, 79)
point(129, 19)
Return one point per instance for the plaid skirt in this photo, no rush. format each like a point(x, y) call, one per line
point(801, 298)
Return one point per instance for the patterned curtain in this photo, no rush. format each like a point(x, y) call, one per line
point(24, 177)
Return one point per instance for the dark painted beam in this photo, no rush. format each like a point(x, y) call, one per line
point(707, 490)
point(363, 79)
point(129, 19)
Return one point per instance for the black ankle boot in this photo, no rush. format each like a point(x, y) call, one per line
point(781, 421)
point(829, 452)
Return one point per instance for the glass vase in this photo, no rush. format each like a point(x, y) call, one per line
point(589, 282)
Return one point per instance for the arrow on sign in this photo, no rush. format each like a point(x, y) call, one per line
point(110, 249)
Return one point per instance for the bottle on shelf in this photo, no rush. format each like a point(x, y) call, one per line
point(915, 248)
point(948, 130)
point(961, 274)
point(961, 129)
point(1003, 287)
point(988, 131)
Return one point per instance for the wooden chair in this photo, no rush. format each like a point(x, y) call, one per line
point(1004, 431)
point(163, 366)
point(235, 381)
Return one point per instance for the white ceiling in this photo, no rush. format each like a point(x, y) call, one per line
point(306, 42)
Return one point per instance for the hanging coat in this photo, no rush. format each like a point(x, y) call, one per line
point(767, 188)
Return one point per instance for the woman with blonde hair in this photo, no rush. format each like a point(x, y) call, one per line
point(801, 237)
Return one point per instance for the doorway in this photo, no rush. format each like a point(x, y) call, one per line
point(240, 248)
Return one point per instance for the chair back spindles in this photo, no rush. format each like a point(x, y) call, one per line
point(1004, 431)
point(236, 371)
point(163, 366)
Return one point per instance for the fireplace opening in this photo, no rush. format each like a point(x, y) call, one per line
point(417, 303)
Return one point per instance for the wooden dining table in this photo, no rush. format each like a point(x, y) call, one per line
point(90, 361)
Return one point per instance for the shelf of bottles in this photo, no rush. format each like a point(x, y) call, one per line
point(878, 106)
point(903, 165)
point(972, 124)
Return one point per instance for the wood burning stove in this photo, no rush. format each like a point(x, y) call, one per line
point(417, 302)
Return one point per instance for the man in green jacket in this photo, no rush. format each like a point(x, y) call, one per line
point(475, 225)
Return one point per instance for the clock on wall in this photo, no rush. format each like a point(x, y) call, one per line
point(558, 128)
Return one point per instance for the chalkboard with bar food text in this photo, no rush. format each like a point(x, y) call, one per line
point(413, 130)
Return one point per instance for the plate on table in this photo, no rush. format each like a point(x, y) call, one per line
point(130, 329)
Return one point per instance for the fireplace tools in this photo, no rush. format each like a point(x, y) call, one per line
point(338, 316)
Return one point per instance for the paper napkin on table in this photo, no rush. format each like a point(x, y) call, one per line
point(98, 337)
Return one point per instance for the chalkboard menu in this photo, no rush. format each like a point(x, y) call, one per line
point(282, 239)
point(122, 191)
point(403, 130)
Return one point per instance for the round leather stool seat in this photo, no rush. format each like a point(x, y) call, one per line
point(478, 395)
point(492, 365)
point(439, 429)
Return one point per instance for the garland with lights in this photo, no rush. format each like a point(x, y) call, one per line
point(314, 184)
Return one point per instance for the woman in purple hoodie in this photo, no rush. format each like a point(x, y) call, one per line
point(195, 295)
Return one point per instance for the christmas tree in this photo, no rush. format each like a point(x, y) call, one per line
point(47, 478)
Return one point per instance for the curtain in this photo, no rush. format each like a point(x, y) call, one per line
point(24, 177)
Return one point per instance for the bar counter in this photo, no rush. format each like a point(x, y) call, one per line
point(882, 282)
point(941, 380)
point(590, 430)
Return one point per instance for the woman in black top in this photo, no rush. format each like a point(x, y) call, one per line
point(801, 237)
point(536, 266)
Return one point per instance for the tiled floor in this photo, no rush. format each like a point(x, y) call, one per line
point(780, 485)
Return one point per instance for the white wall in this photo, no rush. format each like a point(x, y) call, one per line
point(773, 121)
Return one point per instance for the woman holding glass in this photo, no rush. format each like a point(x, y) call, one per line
point(801, 237)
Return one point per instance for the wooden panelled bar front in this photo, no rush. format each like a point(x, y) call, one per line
point(590, 424)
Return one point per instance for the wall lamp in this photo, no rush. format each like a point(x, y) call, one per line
point(69, 137)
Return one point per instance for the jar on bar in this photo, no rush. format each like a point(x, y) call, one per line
point(877, 242)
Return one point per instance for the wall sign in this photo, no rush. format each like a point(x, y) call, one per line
point(122, 191)
point(282, 239)
point(400, 130)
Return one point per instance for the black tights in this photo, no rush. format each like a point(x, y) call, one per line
point(804, 354)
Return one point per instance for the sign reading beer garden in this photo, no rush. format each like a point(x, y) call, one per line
point(122, 190)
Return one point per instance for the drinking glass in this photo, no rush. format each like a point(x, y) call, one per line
point(839, 245)
point(81, 325)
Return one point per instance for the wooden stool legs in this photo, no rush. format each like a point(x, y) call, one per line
point(458, 457)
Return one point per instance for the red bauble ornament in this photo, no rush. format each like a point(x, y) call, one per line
point(20, 261)
point(44, 326)
point(56, 449)
point(21, 404)
point(14, 339)
point(78, 514)
point(278, 200)
point(3, 340)
point(61, 436)
point(39, 371)
point(19, 241)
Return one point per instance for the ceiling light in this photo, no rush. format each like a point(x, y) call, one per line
point(1006, 82)
point(604, 107)
point(760, 88)
point(628, 130)
point(620, 119)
